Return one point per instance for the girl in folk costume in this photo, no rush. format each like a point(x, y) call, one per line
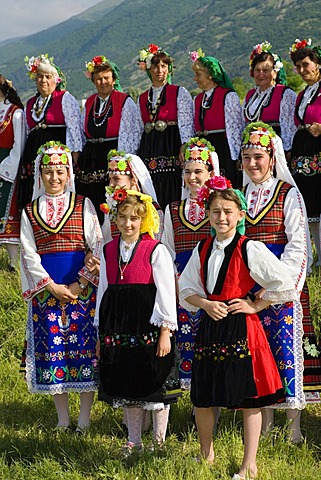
point(277, 217)
point(217, 113)
point(12, 139)
point(185, 225)
point(233, 364)
point(57, 229)
point(166, 113)
point(129, 172)
point(110, 120)
point(52, 114)
point(137, 312)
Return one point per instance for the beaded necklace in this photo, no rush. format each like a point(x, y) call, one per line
point(262, 103)
point(104, 113)
point(39, 107)
point(153, 111)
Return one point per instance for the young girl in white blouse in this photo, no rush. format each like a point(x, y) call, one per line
point(58, 230)
point(137, 313)
point(233, 365)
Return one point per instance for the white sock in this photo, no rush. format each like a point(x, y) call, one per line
point(134, 423)
point(160, 422)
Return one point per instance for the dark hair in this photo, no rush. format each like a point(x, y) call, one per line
point(102, 68)
point(9, 92)
point(261, 57)
point(161, 57)
point(302, 53)
point(227, 194)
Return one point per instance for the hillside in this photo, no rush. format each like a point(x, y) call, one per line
point(118, 29)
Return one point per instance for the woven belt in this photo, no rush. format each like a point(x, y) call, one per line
point(159, 126)
point(44, 125)
point(204, 133)
point(101, 139)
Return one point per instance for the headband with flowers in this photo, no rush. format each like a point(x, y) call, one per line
point(299, 44)
point(146, 56)
point(53, 154)
point(32, 64)
point(116, 196)
point(119, 162)
point(220, 183)
point(102, 60)
point(213, 66)
point(266, 47)
point(198, 150)
point(258, 135)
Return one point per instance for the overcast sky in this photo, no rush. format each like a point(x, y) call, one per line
point(25, 17)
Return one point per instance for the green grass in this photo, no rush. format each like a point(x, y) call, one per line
point(30, 450)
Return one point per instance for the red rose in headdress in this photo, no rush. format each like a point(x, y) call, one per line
point(153, 48)
point(97, 60)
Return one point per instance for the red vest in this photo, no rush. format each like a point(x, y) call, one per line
point(186, 235)
point(167, 112)
point(312, 112)
point(138, 269)
point(54, 114)
point(271, 112)
point(237, 282)
point(268, 226)
point(113, 123)
point(67, 236)
point(6, 128)
point(214, 118)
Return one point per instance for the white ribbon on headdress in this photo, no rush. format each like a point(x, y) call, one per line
point(283, 173)
point(38, 186)
point(216, 169)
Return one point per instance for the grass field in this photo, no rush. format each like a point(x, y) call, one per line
point(30, 449)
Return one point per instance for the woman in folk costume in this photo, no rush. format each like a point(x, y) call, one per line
point(271, 101)
point(58, 228)
point(129, 172)
point(110, 120)
point(217, 113)
point(52, 114)
point(185, 225)
point(166, 124)
point(277, 217)
point(137, 312)
point(12, 140)
point(233, 365)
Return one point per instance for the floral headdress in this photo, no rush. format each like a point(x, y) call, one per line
point(258, 135)
point(119, 162)
point(52, 154)
point(146, 56)
point(299, 44)
point(266, 47)
point(102, 60)
point(115, 196)
point(33, 63)
point(198, 150)
point(221, 183)
point(213, 66)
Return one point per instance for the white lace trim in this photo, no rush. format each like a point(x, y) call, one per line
point(119, 403)
point(164, 323)
point(185, 293)
point(281, 297)
point(71, 111)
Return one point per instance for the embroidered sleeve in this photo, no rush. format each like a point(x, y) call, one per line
point(185, 114)
point(164, 312)
point(130, 129)
point(288, 127)
point(94, 238)
point(74, 134)
point(9, 165)
point(234, 124)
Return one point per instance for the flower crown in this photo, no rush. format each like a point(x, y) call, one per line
point(299, 44)
point(214, 183)
point(33, 63)
point(146, 56)
point(198, 150)
point(115, 196)
point(53, 154)
point(194, 56)
point(266, 47)
point(258, 135)
point(119, 162)
point(95, 62)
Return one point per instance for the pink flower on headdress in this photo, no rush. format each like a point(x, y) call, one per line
point(113, 164)
point(203, 194)
point(194, 56)
point(195, 154)
point(55, 158)
point(142, 66)
point(218, 183)
point(153, 48)
point(254, 138)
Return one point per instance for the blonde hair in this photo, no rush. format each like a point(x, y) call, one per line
point(134, 202)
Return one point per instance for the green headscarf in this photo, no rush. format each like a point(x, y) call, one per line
point(217, 71)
